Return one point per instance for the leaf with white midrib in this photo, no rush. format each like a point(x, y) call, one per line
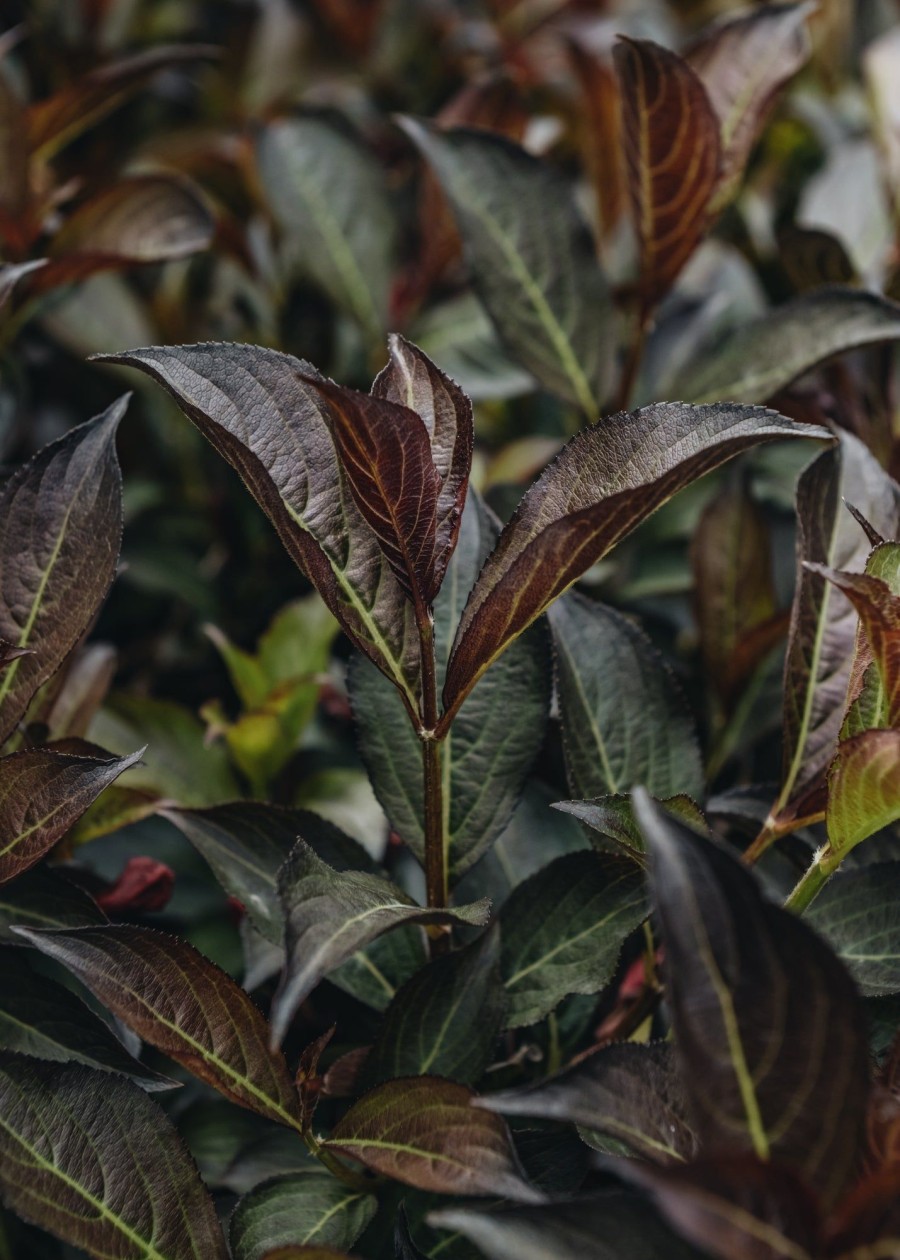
point(302, 1208)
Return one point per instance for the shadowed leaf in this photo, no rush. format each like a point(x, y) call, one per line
point(531, 258)
point(60, 530)
point(743, 63)
point(606, 481)
point(12, 273)
point(863, 789)
point(764, 356)
point(89, 1157)
point(43, 898)
point(767, 1023)
point(629, 1092)
point(330, 915)
point(562, 930)
point(253, 406)
point(613, 818)
point(305, 1208)
point(856, 912)
point(424, 1132)
point(672, 152)
point(43, 793)
point(180, 1002)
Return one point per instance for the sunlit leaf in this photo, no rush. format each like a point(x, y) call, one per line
point(605, 482)
point(863, 789)
point(562, 931)
point(186, 1006)
point(531, 258)
point(424, 1132)
point(307, 1208)
point(767, 1024)
point(89, 1157)
point(672, 152)
point(43, 792)
point(60, 530)
point(330, 915)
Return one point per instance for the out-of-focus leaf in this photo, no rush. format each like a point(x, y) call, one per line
point(531, 257)
point(603, 140)
point(622, 714)
point(761, 358)
point(43, 792)
point(813, 257)
point(673, 160)
point(867, 692)
point(880, 62)
point(863, 790)
point(608, 1226)
point(329, 196)
point(180, 1002)
point(118, 807)
point(253, 406)
point(101, 313)
point(330, 915)
point(300, 1208)
point(424, 1132)
point(12, 273)
point(768, 1026)
point(823, 622)
point(89, 1157)
point(459, 336)
point(495, 738)
point(856, 912)
point(177, 764)
point(445, 1020)
point(42, 898)
point(15, 194)
point(743, 64)
point(606, 481)
point(60, 530)
point(562, 930)
point(613, 818)
point(627, 1091)
point(43, 1019)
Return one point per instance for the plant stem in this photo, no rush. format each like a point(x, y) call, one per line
point(358, 1181)
point(817, 876)
point(775, 830)
point(433, 787)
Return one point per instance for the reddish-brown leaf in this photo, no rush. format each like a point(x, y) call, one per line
point(672, 151)
point(603, 128)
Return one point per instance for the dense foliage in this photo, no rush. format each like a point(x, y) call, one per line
point(365, 889)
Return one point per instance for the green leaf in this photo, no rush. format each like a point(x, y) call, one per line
point(761, 358)
point(622, 714)
point(459, 336)
point(856, 912)
point(613, 818)
point(630, 1092)
point(870, 680)
point(255, 409)
point(89, 1157)
point(424, 1132)
point(329, 197)
point(44, 898)
point(60, 530)
point(43, 793)
point(768, 1026)
point(562, 930)
point(492, 745)
point(445, 1020)
point(606, 481)
point(331, 915)
point(43, 1019)
point(823, 623)
point(184, 1005)
point(304, 1208)
point(607, 1226)
point(531, 258)
point(863, 790)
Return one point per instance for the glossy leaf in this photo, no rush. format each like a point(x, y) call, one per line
point(630, 1092)
point(180, 1002)
point(253, 406)
point(562, 930)
point(60, 529)
point(743, 64)
point(445, 1020)
point(767, 1023)
point(856, 912)
point(305, 1209)
point(92, 1159)
point(823, 623)
point(863, 789)
point(606, 481)
point(424, 1132)
point(762, 357)
point(41, 1018)
point(531, 259)
point(671, 141)
point(494, 739)
point(43, 792)
point(622, 714)
point(330, 915)
point(44, 898)
point(318, 177)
